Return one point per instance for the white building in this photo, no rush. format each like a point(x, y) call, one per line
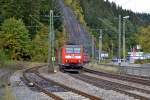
point(132, 56)
point(146, 56)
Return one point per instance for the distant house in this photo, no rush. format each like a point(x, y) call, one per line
point(132, 56)
point(103, 55)
point(146, 55)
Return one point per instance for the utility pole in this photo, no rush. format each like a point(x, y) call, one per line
point(124, 41)
point(119, 38)
point(51, 36)
point(124, 51)
point(53, 40)
point(100, 44)
point(112, 52)
point(93, 49)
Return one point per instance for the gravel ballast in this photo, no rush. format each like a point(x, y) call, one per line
point(120, 81)
point(124, 83)
point(85, 87)
point(22, 92)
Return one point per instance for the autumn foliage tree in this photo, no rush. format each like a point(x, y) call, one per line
point(143, 38)
point(40, 45)
point(75, 5)
point(14, 39)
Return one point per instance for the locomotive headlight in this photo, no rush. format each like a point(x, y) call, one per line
point(78, 57)
point(67, 56)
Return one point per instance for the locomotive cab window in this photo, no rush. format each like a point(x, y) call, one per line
point(73, 50)
point(77, 50)
point(69, 50)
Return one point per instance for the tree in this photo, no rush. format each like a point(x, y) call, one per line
point(75, 5)
point(40, 45)
point(15, 39)
point(143, 38)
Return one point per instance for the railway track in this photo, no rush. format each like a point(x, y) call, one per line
point(126, 74)
point(129, 78)
point(108, 85)
point(119, 87)
point(53, 89)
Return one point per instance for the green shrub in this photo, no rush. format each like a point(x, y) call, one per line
point(14, 38)
point(140, 61)
point(147, 60)
point(3, 58)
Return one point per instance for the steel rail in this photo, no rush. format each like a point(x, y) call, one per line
point(38, 86)
point(120, 77)
point(71, 89)
point(97, 82)
point(35, 71)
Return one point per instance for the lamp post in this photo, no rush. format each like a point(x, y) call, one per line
point(124, 42)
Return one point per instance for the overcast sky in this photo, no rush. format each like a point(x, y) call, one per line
point(134, 5)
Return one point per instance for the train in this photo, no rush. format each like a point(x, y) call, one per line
point(86, 58)
point(72, 57)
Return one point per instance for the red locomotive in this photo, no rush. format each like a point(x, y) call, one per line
point(71, 57)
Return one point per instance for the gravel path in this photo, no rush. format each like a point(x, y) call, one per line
point(3, 72)
point(85, 87)
point(4, 77)
point(22, 92)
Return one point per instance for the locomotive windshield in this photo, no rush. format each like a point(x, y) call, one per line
point(73, 50)
point(69, 50)
point(77, 50)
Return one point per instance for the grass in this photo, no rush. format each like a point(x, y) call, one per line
point(8, 94)
point(142, 61)
point(18, 65)
point(98, 67)
point(7, 64)
point(5, 91)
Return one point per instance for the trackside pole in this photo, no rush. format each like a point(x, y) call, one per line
point(51, 57)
